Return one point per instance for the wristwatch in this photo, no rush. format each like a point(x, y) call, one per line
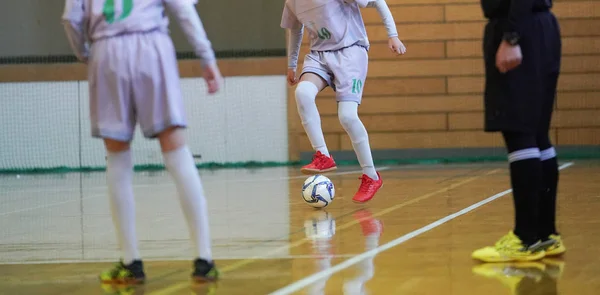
point(512, 38)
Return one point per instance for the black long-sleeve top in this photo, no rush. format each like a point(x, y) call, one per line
point(513, 10)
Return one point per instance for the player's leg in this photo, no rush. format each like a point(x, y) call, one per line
point(348, 116)
point(526, 179)
point(113, 119)
point(550, 174)
point(522, 243)
point(180, 164)
point(313, 79)
point(349, 68)
point(161, 115)
point(512, 105)
point(548, 196)
point(119, 177)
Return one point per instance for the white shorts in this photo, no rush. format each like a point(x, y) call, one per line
point(134, 79)
point(345, 70)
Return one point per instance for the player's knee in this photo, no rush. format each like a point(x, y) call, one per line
point(306, 92)
point(115, 146)
point(547, 151)
point(519, 151)
point(517, 141)
point(348, 117)
point(543, 141)
point(171, 139)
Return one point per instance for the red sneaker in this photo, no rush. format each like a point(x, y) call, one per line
point(367, 189)
point(370, 226)
point(320, 164)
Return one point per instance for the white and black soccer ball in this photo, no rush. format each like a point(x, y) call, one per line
point(318, 191)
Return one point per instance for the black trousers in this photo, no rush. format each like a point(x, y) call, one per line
point(522, 99)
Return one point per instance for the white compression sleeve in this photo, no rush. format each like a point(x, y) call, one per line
point(294, 43)
point(77, 40)
point(73, 19)
point(191, 25)
point(306, 92)
point(386, 16)
point(348, 115)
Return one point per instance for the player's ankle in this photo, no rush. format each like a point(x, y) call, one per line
point(371, 173)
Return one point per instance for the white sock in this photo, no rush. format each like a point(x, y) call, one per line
point(348, 115)
point(306, 93)
point(180, 165)
point(119, 177)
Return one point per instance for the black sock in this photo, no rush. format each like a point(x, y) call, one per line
point(526, 179)
point(547, 207)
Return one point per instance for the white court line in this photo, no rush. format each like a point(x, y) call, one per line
point(50, 205)
point(158, 185)
point(303, 283)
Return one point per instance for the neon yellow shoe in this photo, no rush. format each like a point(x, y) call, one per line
point(509, 249)
point(130, 274)
point(515, 275)
point(557, 248)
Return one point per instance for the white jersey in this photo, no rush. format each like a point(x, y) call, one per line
point(332, 24)
point(99, 19)
point(107, 18)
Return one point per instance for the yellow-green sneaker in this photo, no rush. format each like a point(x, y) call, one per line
point(509, 249)
point(130, 274)
point(557, 248)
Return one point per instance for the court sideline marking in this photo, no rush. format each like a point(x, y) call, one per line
point(303, 283)
point(172, 184)
point(182, 285)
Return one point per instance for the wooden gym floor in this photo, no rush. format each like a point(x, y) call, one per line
point(57, 235)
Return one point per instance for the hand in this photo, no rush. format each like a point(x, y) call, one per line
point(213, 78)
point(508, 57)
point(291, 77)
point(83, 57)
point(396, 46)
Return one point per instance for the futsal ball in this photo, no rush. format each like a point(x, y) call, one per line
point(318, 191)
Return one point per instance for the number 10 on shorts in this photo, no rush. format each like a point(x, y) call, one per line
point(357, 85)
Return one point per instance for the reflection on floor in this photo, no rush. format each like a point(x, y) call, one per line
point(57, 234)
